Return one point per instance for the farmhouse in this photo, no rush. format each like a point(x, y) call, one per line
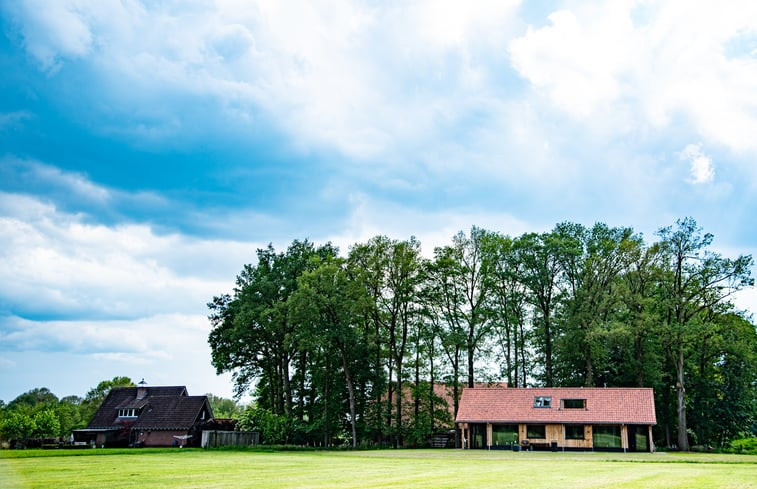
point(148, 416)
point(557, 418)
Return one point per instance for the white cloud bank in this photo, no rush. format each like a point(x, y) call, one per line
point(639, 64)
point(335, 74)
point(57, 264)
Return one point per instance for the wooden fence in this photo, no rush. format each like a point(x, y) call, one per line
point(229, 438)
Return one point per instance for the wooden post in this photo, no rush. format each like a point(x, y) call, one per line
point(489, 436)
point(624, 437)
point(650, 442)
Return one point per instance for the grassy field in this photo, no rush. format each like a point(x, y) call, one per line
point(194, 468)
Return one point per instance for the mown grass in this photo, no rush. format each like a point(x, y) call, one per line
point(190, 468)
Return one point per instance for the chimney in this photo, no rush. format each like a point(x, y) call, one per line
point(141, 389)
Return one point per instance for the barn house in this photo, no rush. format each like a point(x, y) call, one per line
point(557, 418)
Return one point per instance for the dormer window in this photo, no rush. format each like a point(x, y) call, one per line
point(542, 401)
point(127, 413)
point(574, 403)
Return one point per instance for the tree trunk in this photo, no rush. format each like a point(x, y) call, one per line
point(508, 352)
point(417, 395)
point(390, 399)
point(522, 355)
point(398, 414)
point(326, 405)
point(683, 439)
point(301, 397)
point(431, 382)
point(639, 357)
point(455, 402)
point(589, 369)
point(351, 391)
point(547, 351)
point(287, 384)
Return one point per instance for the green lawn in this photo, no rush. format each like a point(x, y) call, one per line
point(193, 468)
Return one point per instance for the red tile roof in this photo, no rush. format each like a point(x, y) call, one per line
point(516, 405)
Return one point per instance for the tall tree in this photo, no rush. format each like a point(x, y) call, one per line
point(508, 308)
point(367, 267)
point(592, 262)
point(468, 302)
point(696, 280)
point(538, 256)
point(441, 296)
point(251, 335)
point(398, 306)
point(328, 303)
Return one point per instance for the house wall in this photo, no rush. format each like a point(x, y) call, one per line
point(554, 433)
point(586, 443)
point(162, 438)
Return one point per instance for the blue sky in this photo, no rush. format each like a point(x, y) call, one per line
point(148, 148)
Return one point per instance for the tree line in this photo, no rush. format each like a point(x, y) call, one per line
point(39, 414)
point(348, 349)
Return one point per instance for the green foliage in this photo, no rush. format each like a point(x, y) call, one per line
point(33, 400)
point(333, 346)
point(39, 413)
point(223, 408)
point(17, 425)
point(273, 428)
point(743, 445)
point(46, 424)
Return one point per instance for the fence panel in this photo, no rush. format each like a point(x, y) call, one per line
point(212, 439)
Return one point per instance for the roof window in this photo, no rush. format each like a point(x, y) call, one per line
point(574, 403)
point(542, 401)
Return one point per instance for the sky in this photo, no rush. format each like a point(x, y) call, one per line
point(147, 149)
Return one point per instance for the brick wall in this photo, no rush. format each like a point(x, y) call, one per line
point(161, 438)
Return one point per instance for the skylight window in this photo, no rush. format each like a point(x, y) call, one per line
point(542, 401)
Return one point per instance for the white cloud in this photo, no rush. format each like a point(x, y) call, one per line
point(333, 75)
point(53, 30)
point(577, 61)
point(701, 168)
point(53, 262)
point(69, 357)
point(372, 217)
point(605, 63)
point(147, 339)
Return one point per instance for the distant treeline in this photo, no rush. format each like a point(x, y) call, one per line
point(326, 342)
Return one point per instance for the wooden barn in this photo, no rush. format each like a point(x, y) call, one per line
point(148, 416)
point(610, 419)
